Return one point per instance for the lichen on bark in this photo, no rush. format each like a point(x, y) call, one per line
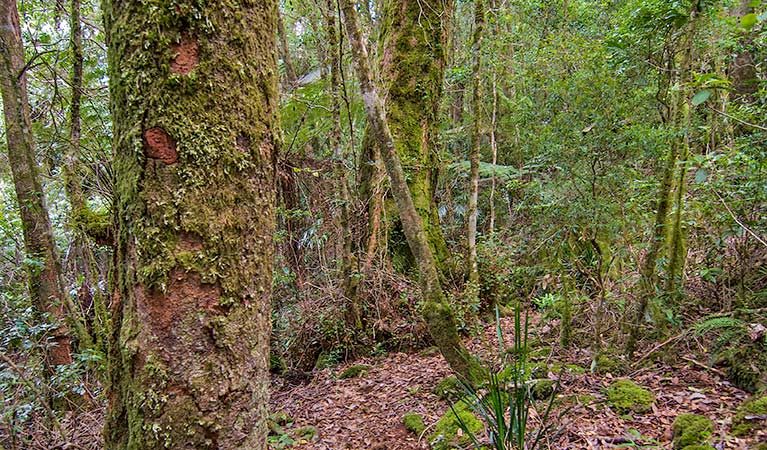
point(194, 107)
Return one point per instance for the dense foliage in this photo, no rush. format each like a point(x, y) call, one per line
point(594, 115)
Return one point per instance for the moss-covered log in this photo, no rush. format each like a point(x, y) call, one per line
point(194, 107)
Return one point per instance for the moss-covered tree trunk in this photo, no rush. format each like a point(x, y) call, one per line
point(663, 238)
point(437, 312)
point(194, 105)
point(45, 284)
point(414, 36)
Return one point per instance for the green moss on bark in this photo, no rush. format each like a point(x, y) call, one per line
point(194, 108)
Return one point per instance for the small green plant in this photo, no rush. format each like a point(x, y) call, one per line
point(504, 403)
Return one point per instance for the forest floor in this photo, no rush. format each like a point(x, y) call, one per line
point(366, 412)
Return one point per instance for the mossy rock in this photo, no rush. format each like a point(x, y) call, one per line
point(626, 397)
point(414, 423)
point(691, 430)
point(604, 364)
point(543, 389)
point(446, 435)
point(449, 388)
point(357, 371)
point(750, 416)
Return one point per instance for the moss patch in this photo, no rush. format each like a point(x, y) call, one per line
point(354, 372)
point(747, 418)
point(625, 397)
point(414, 422)
point(691, 430)
point(448, 389)
point(604, 364)
point(543, 389)
point(446, 434)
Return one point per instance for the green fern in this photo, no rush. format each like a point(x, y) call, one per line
point(718, 323)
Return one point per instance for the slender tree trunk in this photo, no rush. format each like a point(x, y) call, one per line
point(677, 247)
point(195, 111)
point(661, 236)
point(348, 261)
point(290, 71)
point(476, 140)
point(437, 312)
point(494, 149)
point(45, 284)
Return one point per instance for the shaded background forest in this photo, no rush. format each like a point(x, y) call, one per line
point(591, 116)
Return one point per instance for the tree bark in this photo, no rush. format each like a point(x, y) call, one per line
point(437, 312)
point(348, 261)
point(414, 35)
point(45, 284)
point(194, 105)
point(476, 140)
point(290, 71)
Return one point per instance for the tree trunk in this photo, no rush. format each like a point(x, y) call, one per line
point(742, 69)
point(348, 261)
point(414, 38)
point(494, 149)
point(476, 140)
point(437, 312)
point(195, 111)
point(661, 236)
point(45, 284)
point(290, 71)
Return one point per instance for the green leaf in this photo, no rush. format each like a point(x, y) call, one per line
point(748, 21)
point(755, 3)
point(701, 97)
point(701, 175)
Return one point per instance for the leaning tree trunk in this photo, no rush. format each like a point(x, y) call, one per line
point(414, 38)
point(437, 312)
point(45, 284)
point(195, 111)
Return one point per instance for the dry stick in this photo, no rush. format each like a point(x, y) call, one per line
point(743, 122)
point(747, 229)
point(661, 345)
point(704, 366)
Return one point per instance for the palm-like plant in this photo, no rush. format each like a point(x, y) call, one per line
point(504, 403)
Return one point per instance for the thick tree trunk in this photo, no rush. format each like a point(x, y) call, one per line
point(414, 34)
point(194, 107)
point(476, 140)
point(437, 312)
point(45, 284)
